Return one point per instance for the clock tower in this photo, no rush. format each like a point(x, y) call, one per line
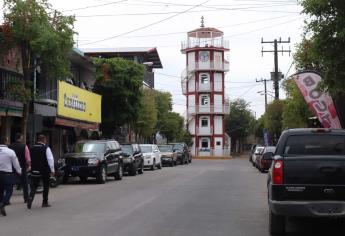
point(203, 85)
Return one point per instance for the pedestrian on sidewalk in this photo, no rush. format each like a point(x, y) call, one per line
point(42, 167)
point(23, 154)
point(8, 160)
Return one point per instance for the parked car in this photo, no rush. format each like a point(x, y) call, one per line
point(169, 157)
point(133, 161)
point(182, 153)
point(258, 151)
point(307, 177)
point(152, 156)
point(263, 160)
point(251, 152)
point(94, 158)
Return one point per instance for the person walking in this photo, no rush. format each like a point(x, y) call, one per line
point(42, 167)
point(23, 154)
point(8, 160)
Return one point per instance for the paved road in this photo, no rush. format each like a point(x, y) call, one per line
point(215, 198)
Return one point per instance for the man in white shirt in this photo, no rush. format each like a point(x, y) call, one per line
point(8, 159)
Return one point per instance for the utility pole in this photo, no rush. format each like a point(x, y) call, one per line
point(265, 83)
point(276, 74)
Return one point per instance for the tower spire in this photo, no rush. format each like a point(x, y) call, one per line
point(202, 22)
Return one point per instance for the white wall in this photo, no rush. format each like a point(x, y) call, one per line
point(191, 60)
point(218, 125)
point(218, 103)
point(218, 60)
point(191, 103)
point(191, 126)
point(191, 84)
point(218, 79)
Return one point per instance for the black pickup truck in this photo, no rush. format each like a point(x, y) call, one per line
point(307, 176)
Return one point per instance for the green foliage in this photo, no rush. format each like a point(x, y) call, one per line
point(323, 44)
point(186, 137)
point(171, 125)
point(163, 103)
point(259, 126)
point(18, 91)
point(273, 119)
point(296, 111)
point(119, 81)
point(147, 117)
point(239, 123)
point(43, 32)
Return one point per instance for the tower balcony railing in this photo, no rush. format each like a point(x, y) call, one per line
point(214, 109)
point(209, 65)
point(205, 43)
point(205, 131)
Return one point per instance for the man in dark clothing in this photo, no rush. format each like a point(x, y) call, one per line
point(8, 160)
point(42, 167)
point(23, 154)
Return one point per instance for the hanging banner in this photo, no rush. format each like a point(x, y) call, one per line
point(320, 103)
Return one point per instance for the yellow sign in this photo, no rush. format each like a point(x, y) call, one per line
point(79, 104)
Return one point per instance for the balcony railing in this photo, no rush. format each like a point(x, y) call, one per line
point(204, 131)
point(6, 78)
point(215, 109)
point(210, 65)
point(204, 43)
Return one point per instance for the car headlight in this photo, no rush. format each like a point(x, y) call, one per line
point(93, 161)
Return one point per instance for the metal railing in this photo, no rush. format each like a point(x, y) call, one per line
point(214, 109)
point(6, 78)
point(210, 65)
point(205, 43)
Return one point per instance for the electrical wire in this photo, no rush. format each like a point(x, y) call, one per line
point(146, 26)
point(93, 6)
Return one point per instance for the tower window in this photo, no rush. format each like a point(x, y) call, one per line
point(204, 122)
point(204, 143)
point(204, 100)
point(204, 78)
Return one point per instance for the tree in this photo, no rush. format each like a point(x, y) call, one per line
point(296, 111)
point(323, 43)
point(147, 117)
point(163, 103)
point(239, 123)
point(273, 119)
point(172, 126)
point(119, 81)
point(39, 32)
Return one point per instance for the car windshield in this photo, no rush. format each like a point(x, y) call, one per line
point(146, 149)
point(127, 149)
point(165, 148)
point(89, 147)
point(178, 146)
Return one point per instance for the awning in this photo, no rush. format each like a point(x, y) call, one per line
point(76, 124)
point(11, 108)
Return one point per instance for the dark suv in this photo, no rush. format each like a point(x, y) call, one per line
point(94, 158)
point(182, 153)
point(132, 159)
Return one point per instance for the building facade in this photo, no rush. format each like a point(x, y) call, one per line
point(203, 85)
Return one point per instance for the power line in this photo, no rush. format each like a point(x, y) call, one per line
point(93, 6)
point(146, 26)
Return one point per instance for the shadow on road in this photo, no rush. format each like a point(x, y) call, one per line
point(315, 227)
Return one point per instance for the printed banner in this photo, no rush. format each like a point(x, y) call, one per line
point(77, 103)
point(320, 102)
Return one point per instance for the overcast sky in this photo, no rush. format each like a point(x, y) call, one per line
point(164, 23)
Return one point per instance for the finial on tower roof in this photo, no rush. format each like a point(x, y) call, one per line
point(202, 22)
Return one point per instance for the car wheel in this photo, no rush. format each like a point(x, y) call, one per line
point(276, 224)
point(153, 165)
point(141, 170)
point(102, 175)
point(118, 175)
point(83, 179)
point(133, 170)
point(160, 165)
point(172, 163)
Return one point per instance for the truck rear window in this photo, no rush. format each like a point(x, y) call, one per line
point(315, 145)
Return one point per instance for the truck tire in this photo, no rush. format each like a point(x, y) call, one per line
point(276, 224)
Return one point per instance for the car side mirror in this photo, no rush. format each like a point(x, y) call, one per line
point(268, 156)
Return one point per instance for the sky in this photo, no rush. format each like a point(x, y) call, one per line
point(164, 24)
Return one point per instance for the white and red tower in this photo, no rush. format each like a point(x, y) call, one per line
point(203, 85)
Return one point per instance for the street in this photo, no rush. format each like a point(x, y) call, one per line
point(223, 197)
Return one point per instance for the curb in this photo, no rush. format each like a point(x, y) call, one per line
point(212, 158)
